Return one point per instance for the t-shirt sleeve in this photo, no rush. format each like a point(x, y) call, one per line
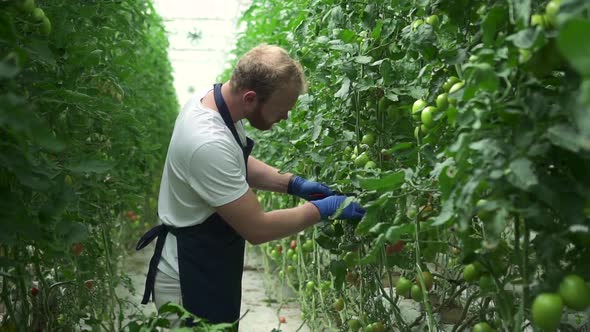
point(216, 175)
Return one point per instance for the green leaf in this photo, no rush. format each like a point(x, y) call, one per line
point(387, 73)
point(574, 43)
point(566, 137)
point(390, 181)
point(7, 70)
point(377, 31)
point(372, 215)
point(526, 38)
point(72, 232)
point(445, 214)
point(92, 166)
point(394, 233)
point(522, 174)
point(380, 228)
point(363, 59)
point(400, 146)
point(521, 12)
point(344, 89)
point(375, 250)
point(338, 270)
point(483, 77)
point(496, 16)
point(347, 36)
point(317, 127)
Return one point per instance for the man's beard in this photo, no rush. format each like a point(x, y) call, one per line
point(257, 120)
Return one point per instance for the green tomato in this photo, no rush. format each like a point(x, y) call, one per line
point(281, 274)
point(350, 258)
point(551, 10)
point(46, 26)
point(538, 20)
point(449, 83)
point(470, 273)
point(403, 286)
point(546, 311)
point(275, 254)
point(416, 292)
point(457, 86)
point(354, 324)
point(378, 327)
point(411, 213)
point(295, 258)
point(423, 129)
point(361, 160)
point(38, 14)
point(368, 139)
point(370, 165)
point(482, 327)
point(347, 149)
point(307, 245)
point(524, 55)
point(442, 101)
point(290, 269)
point(325, 286)
point(418, 106)
point(433, 20)
point(486, 284)
point(310, 286)
point(575, 292)
point(338, 305)
point(417, 23)
point(426, 116)
point(428, 279)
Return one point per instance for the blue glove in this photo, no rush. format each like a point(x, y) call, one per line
point(329, 205)
point(308, 190)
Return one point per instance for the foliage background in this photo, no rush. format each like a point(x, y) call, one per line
point(84, 111)
point(500, 179)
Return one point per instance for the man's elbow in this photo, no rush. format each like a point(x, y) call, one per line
point(255, 241)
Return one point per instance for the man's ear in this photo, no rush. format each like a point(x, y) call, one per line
point(249, 98)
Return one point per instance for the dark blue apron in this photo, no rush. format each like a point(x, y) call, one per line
point(210, 255)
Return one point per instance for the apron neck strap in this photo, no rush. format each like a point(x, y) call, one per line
point(224, 111)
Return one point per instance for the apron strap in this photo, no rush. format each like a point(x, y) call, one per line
point(226, 116)
point(160, 232)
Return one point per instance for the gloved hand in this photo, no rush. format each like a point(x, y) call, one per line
point(329, 205)
point(308, 190)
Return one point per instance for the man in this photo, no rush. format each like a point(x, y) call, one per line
point(206, 205)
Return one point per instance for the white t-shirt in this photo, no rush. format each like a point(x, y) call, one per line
point(204, 169)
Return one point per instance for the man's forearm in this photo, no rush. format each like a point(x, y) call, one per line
point(264, 177)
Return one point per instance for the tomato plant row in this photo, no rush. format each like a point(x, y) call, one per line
point(464, 128)
point(86, 102)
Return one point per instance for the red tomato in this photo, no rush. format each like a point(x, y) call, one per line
point(89, 284)
point(283, 320)
point(77, 249)
point(394, 248)
point(34, 291)
point(293, 244)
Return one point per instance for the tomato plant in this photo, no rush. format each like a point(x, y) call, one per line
point(479, 122)
point(81, 131)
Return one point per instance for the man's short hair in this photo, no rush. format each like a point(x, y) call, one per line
point(265, 69)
